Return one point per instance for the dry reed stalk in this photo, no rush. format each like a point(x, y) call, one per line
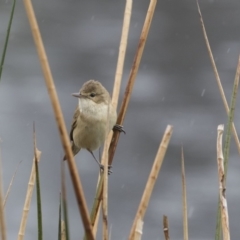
point(166, 228)
point(122, 52)
point(222, 186)
point(60, 121)
point(231, 117)
point(138, 230)
point(132, 76)
point(10, 185)
point(142, 41)
point(227, 143)
point(95, 226)
point(95, 213)
point(3, 232)
point(217, 77)
point(28, 198)
point(152, 178)
point(105, 181)
point(184, 200)
point(116, 90)
point(63, 231)
point(127, 95)
point(64, 202)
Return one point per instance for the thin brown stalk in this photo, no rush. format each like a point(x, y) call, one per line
point(28, 198)
point(138, 230)
point(184, 200)
point(152, 178)
point(116, 90)
point(218, 78)
point(60, 121)
point(222, 186)
point(132, 76)
point(125, 102)
point(166, 228)
point(10, 185)
point(122, 52)
point(3, 232)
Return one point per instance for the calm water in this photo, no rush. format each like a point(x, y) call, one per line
point(175, 85)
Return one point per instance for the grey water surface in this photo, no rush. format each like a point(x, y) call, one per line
point(175, 85)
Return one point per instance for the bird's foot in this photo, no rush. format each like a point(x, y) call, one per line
point(119, 128)
point(109, 168)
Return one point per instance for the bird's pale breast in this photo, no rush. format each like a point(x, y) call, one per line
point(92, 122)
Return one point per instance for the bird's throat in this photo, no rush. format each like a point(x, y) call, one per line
point(90, 109)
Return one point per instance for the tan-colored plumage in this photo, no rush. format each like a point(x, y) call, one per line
point(91, 118)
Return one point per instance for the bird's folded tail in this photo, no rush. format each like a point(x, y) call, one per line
point(75, 150)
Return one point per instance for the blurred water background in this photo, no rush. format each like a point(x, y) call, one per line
point(175, 85)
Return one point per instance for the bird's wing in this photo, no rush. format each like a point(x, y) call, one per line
point(74, 123)
point(75, 149)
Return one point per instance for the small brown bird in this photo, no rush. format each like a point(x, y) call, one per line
point(94, 117)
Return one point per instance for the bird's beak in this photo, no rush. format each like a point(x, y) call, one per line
point(78, 95)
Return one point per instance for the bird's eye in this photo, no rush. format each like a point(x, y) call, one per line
point(92, 95)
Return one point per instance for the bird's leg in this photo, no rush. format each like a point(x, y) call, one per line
point(95, 158)
point(119, 128)
point(100, 165)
